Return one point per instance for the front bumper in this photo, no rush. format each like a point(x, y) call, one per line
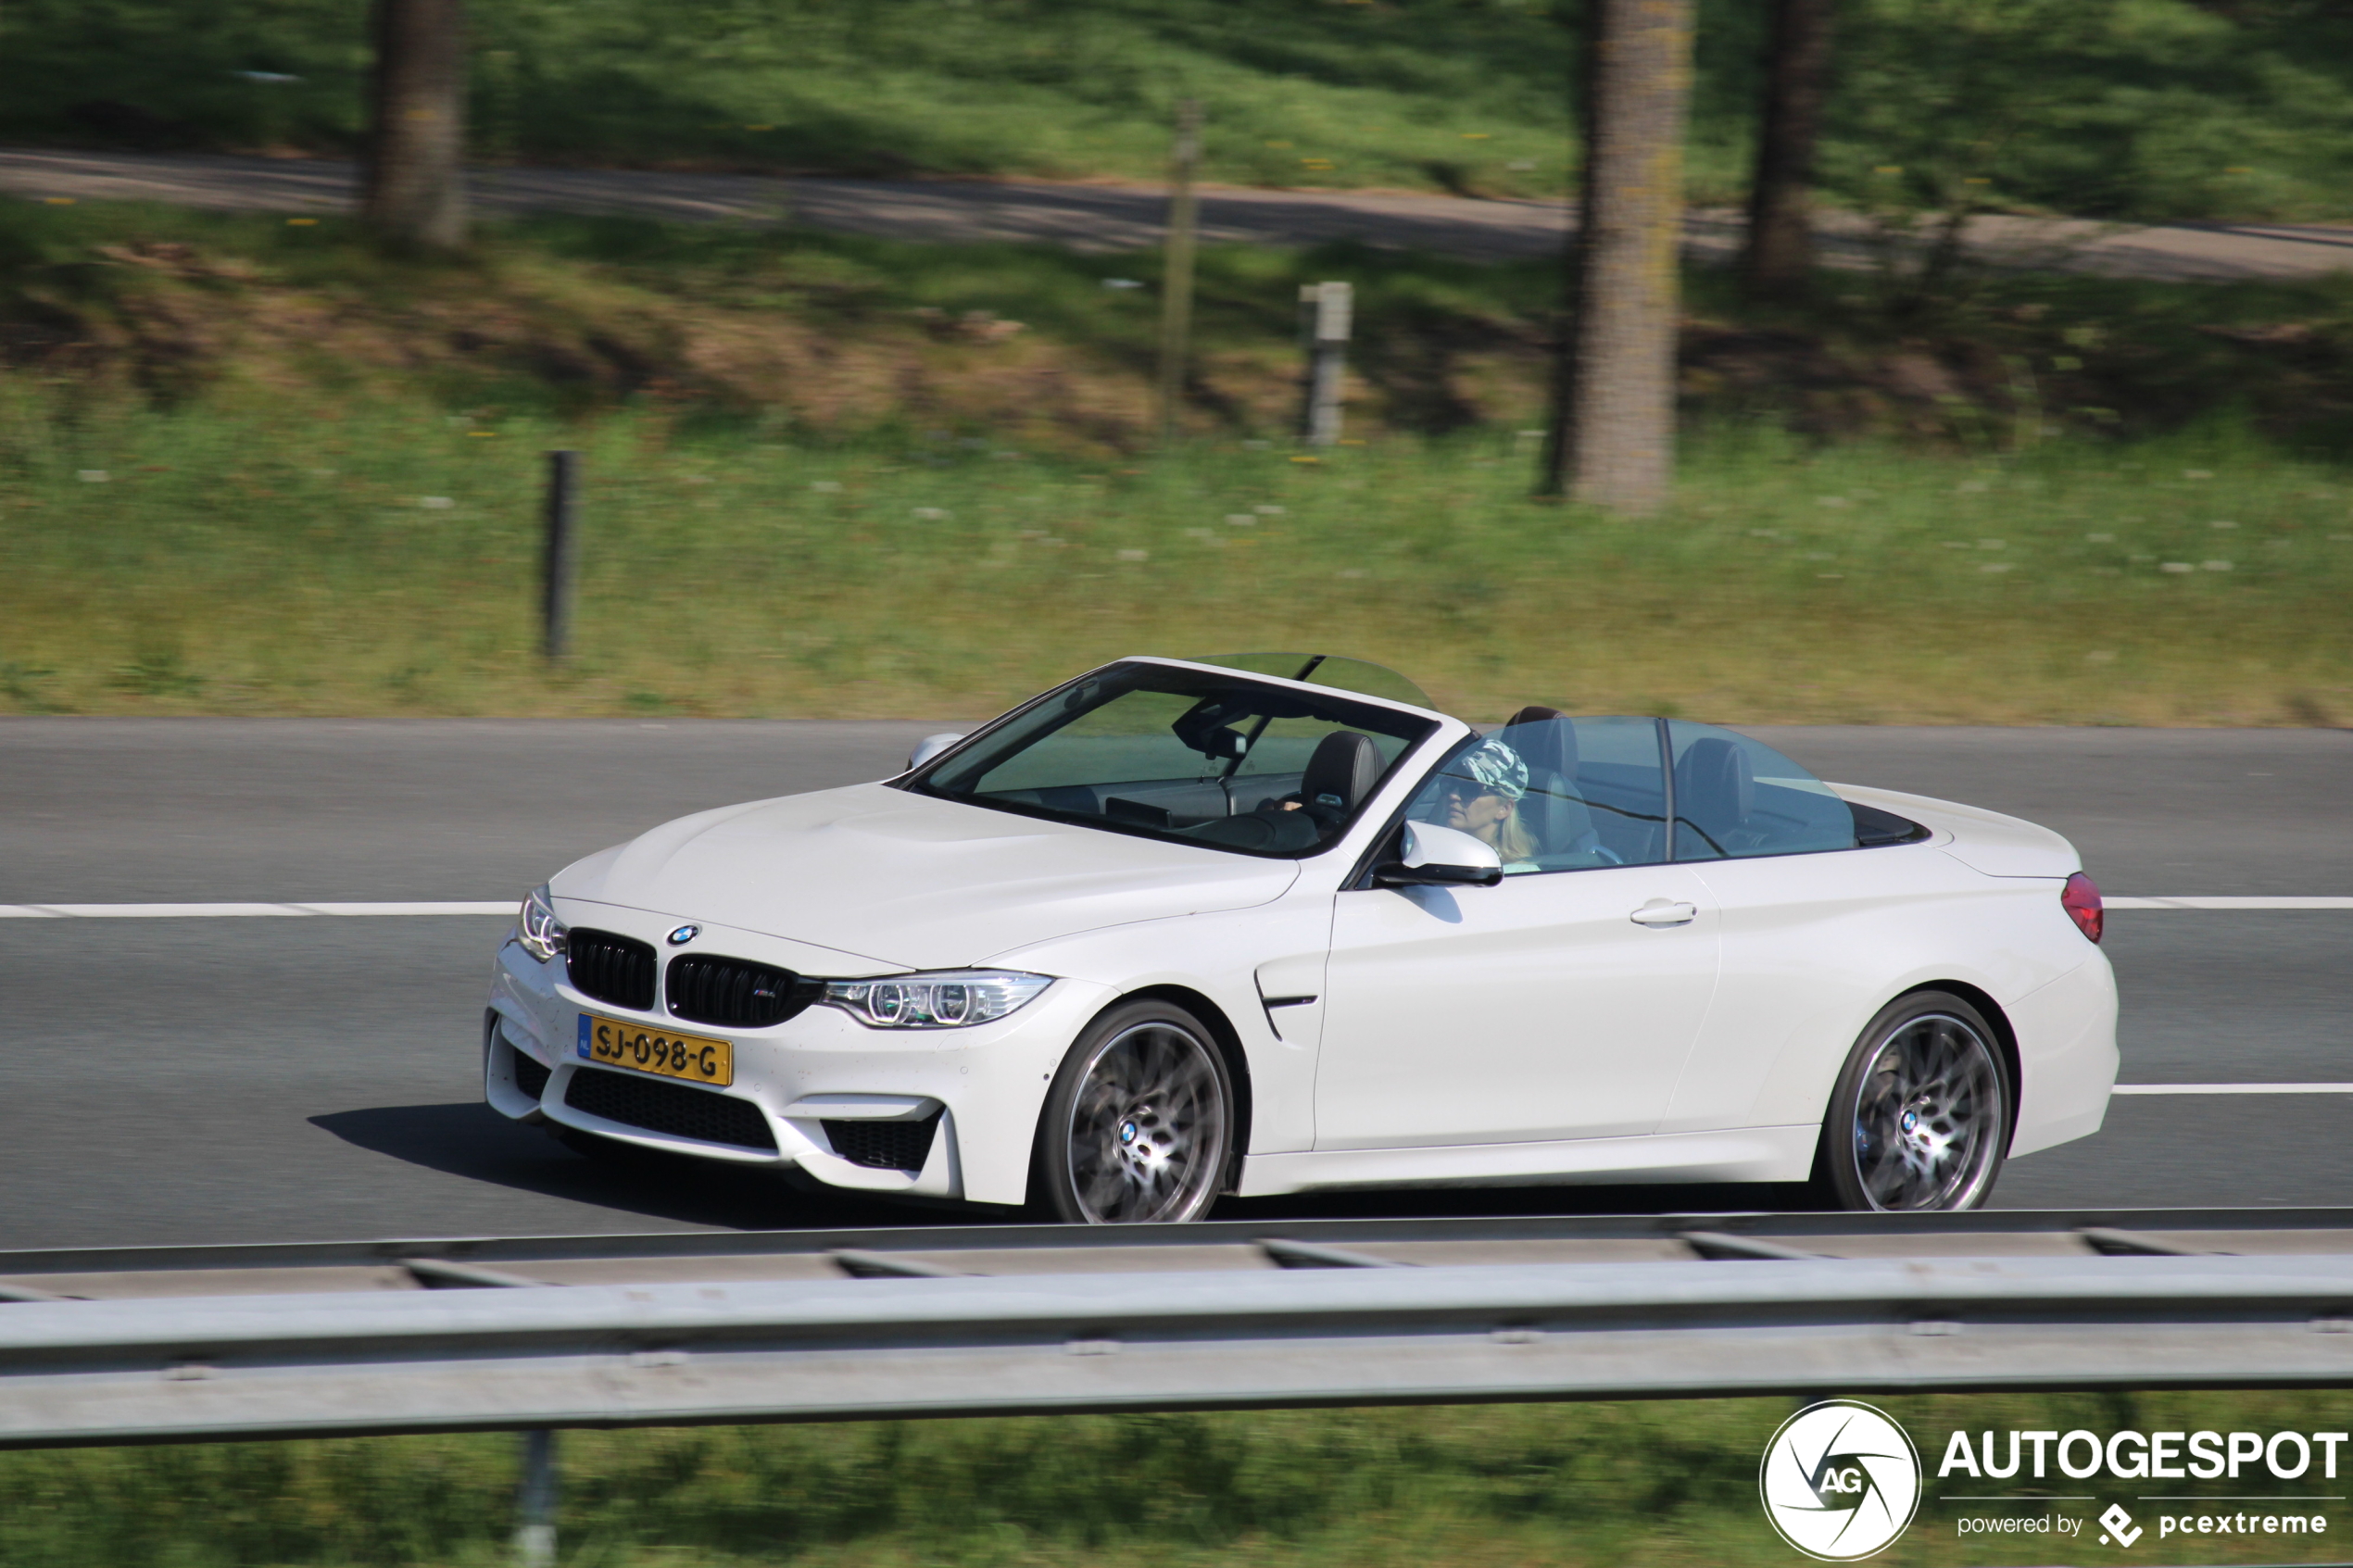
point(984, 1084)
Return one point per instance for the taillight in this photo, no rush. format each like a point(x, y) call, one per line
point(2082, 901)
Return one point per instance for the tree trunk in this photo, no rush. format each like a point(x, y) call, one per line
point(1780, 258)
point(1613, 437)
point(413, 193)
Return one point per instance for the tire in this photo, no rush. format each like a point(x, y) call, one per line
point(1138, 1125)
point(1919, 1121)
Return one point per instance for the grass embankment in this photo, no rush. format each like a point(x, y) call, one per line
point(1667, 1484)
point(384, 563)
point(243, 468)
point(2165, 108)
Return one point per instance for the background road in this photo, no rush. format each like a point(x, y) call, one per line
point(259, 1079)
point(1105, 218)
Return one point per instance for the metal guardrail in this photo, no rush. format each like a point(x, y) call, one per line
point(112, 1372)
point(210, 1269)
point(1163, 1319)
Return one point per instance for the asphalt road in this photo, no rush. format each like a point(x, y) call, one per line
point(1107, 218)
point(229, 1079)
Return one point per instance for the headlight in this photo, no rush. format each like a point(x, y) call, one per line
point(945, 999)
point(541, 933)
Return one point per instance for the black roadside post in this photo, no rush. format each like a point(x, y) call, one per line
point(555, 598)
point(1177, 280)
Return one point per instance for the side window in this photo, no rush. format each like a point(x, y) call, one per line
point(1563, 795)
point(1735, 798)
point(1615, 774)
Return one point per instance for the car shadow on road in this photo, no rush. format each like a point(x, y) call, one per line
point(469, 1140)
point(1476, 1202)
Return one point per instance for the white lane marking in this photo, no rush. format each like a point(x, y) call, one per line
point(496, 907)
point(2229, 903)
point(2234, 1088)
point(229, 911)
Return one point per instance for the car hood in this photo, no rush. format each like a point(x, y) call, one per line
point(911, 882)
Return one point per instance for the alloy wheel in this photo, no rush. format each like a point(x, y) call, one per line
point(1929, 1117)
point(1147, 1137)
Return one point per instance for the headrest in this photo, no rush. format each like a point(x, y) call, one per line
point(1544, 737)
point(1554, 813)
point(1714, 787)
point(1340, 774)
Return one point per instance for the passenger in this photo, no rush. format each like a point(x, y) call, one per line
point(1481, 791)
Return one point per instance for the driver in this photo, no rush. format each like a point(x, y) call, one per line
point(1479, 793)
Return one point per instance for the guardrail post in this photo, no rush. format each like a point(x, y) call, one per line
point(1325, 310)
point(535, 1501)
point(564, 492)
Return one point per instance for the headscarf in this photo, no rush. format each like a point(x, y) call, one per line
point(1497, 768)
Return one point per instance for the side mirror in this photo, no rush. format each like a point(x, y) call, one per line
point(1393, 873)
point(1437, 857)
point(929, 747)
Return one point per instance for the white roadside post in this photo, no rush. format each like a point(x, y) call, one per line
point(1324, 313)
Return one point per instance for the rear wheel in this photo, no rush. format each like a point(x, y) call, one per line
point(1920, 1120)
point(1139, 1123)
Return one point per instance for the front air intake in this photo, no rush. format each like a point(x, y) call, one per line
point(618, 970)
point(883, 1146)
point(672, 1108)
point(734, 992)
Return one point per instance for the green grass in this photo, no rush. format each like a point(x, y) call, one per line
point(367, 559)
point(2126, 107)
point(1666, 1484)
point(825, 479)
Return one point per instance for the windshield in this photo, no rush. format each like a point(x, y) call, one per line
point(1187, 755)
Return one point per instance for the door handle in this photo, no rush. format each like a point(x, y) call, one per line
point(1658, 911)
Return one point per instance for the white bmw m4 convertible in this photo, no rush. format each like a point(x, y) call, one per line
point(1272, 923)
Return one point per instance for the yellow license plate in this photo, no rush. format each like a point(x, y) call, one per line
point(690, 1056)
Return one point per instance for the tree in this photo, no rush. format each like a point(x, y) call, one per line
point(1779, 257)
point(1612, 426)
point(413, 191)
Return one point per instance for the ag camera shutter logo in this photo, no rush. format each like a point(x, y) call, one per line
point(1840, 1481)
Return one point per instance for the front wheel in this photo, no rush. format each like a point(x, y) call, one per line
point(1920, 1116)
point(1139, 1123)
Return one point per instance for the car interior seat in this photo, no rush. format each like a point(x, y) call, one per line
point(1537, 713)
point(1341, 772)
point(1715, 792)
point(1553, 811)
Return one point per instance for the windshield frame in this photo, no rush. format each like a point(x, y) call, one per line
point(917, 781)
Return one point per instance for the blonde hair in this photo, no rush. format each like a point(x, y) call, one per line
point(1513, 841)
